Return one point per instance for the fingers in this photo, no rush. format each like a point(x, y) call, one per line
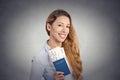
point(59, 73)
point(59, 76)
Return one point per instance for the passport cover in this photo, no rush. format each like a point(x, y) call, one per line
point(61, 65)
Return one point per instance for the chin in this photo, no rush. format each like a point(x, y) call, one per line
point(62, 41)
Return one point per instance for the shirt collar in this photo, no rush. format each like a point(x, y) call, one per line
point(47, 47)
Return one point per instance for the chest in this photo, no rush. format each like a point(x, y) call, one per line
point(49, 70)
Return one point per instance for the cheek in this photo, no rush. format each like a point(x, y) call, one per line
point(67, 31)
point(56, 30)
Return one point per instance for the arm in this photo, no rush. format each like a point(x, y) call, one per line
point(37, 70)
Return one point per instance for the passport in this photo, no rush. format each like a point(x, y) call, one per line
point(61, 65)
point(59, 60)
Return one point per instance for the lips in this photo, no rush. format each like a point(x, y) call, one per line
point(62, 35)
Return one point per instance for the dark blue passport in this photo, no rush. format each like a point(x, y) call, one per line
point(61, 65)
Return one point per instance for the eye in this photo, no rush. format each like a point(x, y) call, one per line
point(59, 25)
point(67, 26)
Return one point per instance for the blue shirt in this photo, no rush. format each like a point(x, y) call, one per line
point(43, 68)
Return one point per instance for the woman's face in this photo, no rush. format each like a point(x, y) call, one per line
point(59, 29)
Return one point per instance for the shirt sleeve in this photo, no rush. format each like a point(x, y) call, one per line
point(37, 70)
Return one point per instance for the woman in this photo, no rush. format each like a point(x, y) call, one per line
point(61, 34)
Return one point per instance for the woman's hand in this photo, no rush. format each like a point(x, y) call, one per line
point(59, 76)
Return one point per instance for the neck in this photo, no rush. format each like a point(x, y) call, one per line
point(54, 44)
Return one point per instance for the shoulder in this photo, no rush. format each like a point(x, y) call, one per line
point(40, 57)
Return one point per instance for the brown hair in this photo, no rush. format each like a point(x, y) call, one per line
point(70, 44)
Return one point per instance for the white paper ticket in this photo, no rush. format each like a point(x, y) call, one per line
point(57, 53)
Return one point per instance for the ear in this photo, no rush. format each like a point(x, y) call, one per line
point(48, 27)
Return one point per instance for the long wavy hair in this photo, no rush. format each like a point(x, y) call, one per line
point(71, 45)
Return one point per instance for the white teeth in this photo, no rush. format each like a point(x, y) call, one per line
point(62, 35)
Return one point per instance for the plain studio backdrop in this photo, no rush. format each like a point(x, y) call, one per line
point(22, 34)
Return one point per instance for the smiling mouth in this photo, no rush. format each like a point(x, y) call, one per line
point(62, 35)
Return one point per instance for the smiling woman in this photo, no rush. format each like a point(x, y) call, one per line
point(61, 34)
point(58, 30)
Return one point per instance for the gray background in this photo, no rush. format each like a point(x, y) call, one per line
point(22, 34)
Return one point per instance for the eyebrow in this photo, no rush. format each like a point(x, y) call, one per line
point(63, 23)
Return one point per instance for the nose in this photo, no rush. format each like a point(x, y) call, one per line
point(64, 29)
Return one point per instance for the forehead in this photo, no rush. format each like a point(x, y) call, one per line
point(63, 19)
